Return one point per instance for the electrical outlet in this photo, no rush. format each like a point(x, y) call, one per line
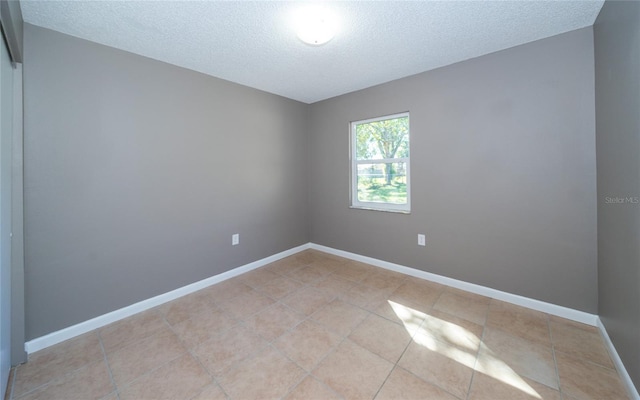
point(421, 240)
point(235, 239)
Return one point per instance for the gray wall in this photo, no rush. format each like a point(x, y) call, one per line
point(503, 172)
point(617, 61)
point(137, 173)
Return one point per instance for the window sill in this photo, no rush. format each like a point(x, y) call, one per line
point(381, 209)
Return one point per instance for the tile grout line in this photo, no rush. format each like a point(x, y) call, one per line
point(310, 320)
point(304, 376)
point(333, 351)
point(329, 388)
point(187, 350)
point(395, 365)
point(190, 351)
point(475, 365)
point(41, 386)
point(553, 352)
point(202, 389)
point(105, 397)
point(437, 340)
point(214, 381)
point(587, 361)
point(32, 390)
point(150, 371)
point(613, 367)
point(290, 330)
point(60, 378)
point(393, 368)
point(412, 340)
point(106, 360)
point(250, 355)
point(128, 384)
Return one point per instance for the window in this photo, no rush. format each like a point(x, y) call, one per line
point(380, 163)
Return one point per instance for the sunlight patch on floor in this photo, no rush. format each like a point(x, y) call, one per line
point(411, 319)
point(494, 367)
point(459, 344)
point(449, 332)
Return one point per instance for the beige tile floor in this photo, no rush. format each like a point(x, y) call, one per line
point(314, 326)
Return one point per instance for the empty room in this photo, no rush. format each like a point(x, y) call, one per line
point(320, 200)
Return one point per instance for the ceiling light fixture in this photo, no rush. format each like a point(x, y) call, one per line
point(315, 25)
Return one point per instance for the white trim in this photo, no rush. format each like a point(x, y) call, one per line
point(560, 311)
point(628, 383)
point(100, 321)
point(397, 160)
point(353, 159)
point(105, 319)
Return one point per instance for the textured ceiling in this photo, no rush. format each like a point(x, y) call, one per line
point(253, 42)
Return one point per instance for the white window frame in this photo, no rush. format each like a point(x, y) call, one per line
point(377, 206)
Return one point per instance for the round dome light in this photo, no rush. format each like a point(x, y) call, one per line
point(315, 26)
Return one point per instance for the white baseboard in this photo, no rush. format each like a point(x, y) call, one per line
point(553, 309)
point(560, 311)
point(102, 320)
point(105, 319)
point(633, 392)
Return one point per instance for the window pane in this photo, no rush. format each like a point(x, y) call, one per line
point(388, 138)
point(382, 183)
